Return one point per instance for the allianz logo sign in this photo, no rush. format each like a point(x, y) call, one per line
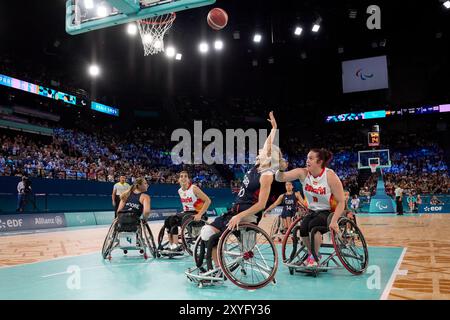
point(56, 220)
point(434, 209)
point(11, 223)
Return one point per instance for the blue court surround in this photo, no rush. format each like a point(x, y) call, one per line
point(131, 277)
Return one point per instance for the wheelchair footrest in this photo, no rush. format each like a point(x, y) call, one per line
point(170, 253)
point(209, 278)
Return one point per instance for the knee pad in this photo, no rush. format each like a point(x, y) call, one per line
point(207, 232)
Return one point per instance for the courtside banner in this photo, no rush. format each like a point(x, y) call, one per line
point(438, 208)
point(365, 74)
point(161, 214)
point(21, 222)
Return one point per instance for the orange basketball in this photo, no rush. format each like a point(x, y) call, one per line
point(217, 18)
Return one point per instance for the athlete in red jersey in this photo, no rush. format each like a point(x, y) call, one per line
point(194, 202)
point(324, 195)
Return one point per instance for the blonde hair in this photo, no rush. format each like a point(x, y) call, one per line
point(139, 181)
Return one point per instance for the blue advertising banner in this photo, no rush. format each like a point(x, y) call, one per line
point(22, 222)
point(430, 208)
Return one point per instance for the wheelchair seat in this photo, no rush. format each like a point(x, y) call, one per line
point(128, 221)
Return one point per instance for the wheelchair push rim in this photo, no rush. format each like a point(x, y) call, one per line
point(109, 240)
point(148, 237)
point(350, 247)
point(254, 258)
point(295, 241)
point(187, 240)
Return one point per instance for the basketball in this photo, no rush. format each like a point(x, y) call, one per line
point(217, 19)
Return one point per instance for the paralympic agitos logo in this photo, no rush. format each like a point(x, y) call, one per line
point(363, 76)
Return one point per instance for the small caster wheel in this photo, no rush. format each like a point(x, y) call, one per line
point(141, 251)
point(125, 251)
point(145, 256)
point(109, 258)
point(200, 285)
point(274, 281)
point(291, 271)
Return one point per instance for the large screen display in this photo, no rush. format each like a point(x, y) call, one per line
point(365, 74)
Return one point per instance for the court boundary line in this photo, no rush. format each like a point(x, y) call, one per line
point(390, 284)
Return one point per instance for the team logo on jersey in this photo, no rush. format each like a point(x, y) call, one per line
point(319, 190)
point(246, 181)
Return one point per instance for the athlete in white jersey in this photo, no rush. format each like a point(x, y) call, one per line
point(324, 194)
point(194, 202)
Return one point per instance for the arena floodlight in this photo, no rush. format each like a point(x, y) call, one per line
point(447, 4)
point(94, 70)
point(170, 52)
point(315, 27)
point(257, 38)
point(178, 56)
point(298, 31)
point(132, 29)
point(218, 45)
point(203, 47)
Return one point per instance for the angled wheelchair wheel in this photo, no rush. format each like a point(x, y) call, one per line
point(109, 240)
point(247, 256)
point(199, 252)
point(292, 247)
point(148, 237)
point(275, 227)
point(351, 247)
point(190, 231)
point(163, 239)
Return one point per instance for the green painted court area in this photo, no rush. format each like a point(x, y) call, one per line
point(131, 277)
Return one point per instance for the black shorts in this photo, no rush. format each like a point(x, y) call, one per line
point(287, 214)
point(314, 219)
point(222, 221)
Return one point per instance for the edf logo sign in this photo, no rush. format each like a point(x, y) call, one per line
point(11, 223)
point(433, 209)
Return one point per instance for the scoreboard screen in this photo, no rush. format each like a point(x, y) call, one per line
point(374, 139)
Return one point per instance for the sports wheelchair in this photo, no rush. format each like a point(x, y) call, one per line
point(190, 231)
point(349, 246)
point(276, 230)
point(247, 257)
point(129, 232)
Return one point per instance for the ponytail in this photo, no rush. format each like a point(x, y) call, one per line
point(324, 155)
point(124, 196)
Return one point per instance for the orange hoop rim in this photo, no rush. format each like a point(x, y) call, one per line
point(171, 19)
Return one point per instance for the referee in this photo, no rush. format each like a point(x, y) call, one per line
point(119, 188)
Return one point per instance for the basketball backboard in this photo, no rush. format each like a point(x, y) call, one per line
point(88, 15)
point(367, 158)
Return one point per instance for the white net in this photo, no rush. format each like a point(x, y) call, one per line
point(152, 31)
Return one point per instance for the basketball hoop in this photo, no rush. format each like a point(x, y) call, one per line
point(152, 31)
point(373, 167)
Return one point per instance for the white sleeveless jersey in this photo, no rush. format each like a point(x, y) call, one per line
point(318, 193)
point(189, 200)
